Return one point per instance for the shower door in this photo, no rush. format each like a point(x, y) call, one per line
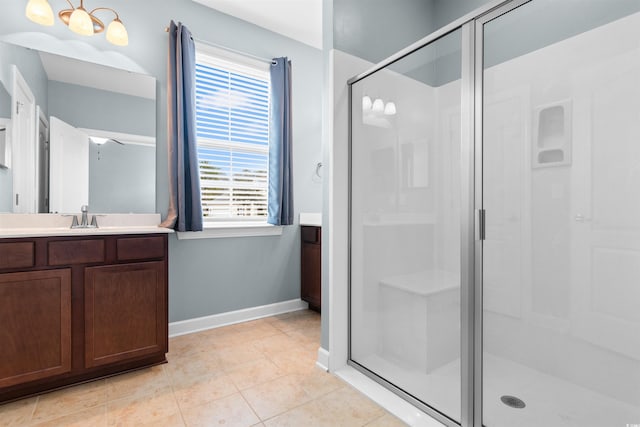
point(405, 226)
point(561, 193)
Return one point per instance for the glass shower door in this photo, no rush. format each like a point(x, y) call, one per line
point(405, 226)
point(561, 193)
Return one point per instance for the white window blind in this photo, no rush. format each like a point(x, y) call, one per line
point(232, 126)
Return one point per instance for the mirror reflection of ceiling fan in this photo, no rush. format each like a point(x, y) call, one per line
point(102, 141)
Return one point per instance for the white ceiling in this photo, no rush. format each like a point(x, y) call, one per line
point(68, 70)
point(297, 19)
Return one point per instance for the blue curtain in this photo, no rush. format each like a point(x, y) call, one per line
point(280, 211)
point(185, 205)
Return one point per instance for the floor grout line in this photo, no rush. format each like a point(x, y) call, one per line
point(251, 407)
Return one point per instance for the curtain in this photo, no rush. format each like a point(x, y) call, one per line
point(280, 208)
point(185, 205)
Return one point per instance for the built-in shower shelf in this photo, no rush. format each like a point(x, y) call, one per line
point(552, 135)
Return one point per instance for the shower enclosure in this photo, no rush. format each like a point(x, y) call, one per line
point(495, 217)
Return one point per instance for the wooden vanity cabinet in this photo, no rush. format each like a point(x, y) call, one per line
point(79, 308)
point(310, 289)
point(124, 308)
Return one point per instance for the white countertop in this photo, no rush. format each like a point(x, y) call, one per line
point(44, 225)
point(311, 218)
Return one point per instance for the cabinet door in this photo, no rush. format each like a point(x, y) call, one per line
point(35, 331)
point(310, 290)
point(125, 312)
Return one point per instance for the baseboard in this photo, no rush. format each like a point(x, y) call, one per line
point(323, 359)
point(190, 326)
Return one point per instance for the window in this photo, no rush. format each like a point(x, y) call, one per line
point(232, 127)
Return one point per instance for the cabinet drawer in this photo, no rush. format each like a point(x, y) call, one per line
point(311, 234)
point(16, 255)
point(76, 252)
point(139, 248)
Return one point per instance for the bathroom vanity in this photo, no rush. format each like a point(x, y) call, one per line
point(80, 304)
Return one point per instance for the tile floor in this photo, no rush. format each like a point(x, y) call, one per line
point(258, 373)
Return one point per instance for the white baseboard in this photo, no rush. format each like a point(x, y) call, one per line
point(189, 326)
point(323, 359)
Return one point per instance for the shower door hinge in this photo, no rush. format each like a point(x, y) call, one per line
point(480, 224)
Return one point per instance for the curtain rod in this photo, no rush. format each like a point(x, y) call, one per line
point(228, 49)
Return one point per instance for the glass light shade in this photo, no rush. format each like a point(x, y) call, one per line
point(80, 22)
point(39, 11)
point(378, 106)
point(390, 109)
point(366, 103)
point(117, 33)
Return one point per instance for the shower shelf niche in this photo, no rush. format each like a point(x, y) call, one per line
point(552, 135)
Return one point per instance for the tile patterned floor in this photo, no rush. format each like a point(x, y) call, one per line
point(258, 373)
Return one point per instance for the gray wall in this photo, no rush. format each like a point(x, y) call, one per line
point(122, 178)
point(5, 102)
point(31, 69)
point(91, 108)
point(212, 276)
point(447, 11)
point(375, 29)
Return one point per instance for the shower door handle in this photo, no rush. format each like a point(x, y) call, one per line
point(480, 224)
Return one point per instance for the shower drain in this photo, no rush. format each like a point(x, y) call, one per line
point(513, 402)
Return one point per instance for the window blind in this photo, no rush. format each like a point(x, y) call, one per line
point(232, 126)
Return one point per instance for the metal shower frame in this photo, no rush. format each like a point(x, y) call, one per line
point(472, 213)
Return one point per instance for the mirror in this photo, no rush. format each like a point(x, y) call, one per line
point(76, 133)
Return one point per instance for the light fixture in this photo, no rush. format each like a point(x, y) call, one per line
point(366, 103)
point(79, 20)
point(117, 33)
point(390, 108)
point(378, 106)
point(40, 12)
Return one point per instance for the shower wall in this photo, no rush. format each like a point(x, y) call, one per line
point(561, 252)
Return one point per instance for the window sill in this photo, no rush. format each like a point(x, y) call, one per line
point(231, 229)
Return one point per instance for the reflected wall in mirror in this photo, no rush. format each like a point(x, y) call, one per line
point(77, 133)
point(6, 181)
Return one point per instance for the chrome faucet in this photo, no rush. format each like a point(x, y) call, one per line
point(84, 222)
